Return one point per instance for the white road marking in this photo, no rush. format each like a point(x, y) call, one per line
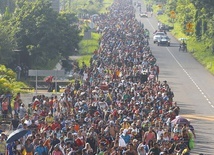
point(184, 70)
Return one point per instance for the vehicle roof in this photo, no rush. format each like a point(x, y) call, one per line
point(165, 36)
point(160, 33)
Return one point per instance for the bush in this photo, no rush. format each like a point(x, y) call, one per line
point(8, 81)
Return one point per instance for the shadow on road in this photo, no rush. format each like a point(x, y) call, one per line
point(174, 44)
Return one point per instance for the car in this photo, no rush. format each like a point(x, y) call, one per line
point(160, 12)
point(163, 40)
point(157, 35)
point(145, 15)
point(165, 27)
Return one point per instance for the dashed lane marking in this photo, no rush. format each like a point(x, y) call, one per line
point(185, 70)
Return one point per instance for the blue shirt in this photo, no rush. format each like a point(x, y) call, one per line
point(10, 147)
point(126, 138)
point(41, 149)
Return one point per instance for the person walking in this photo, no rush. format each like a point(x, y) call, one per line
point(5, 105)
point(41, 149)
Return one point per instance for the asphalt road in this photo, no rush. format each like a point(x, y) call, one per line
point(192, 85)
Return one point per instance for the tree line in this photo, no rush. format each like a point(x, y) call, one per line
point(32, 34)
point(200, 13)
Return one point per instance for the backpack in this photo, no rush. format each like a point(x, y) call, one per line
point(44, 150)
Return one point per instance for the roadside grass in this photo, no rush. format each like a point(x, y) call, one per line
point(85, 59)
point(87, 47)
point(199, 49)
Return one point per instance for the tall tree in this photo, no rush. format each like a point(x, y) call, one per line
point(6, 47)
point(41, 33)
point(10, 4)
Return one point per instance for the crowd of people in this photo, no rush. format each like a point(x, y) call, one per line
point(119, 107)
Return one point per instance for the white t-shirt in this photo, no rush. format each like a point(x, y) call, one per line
point(166, 138)
point(85, 76)
point(159, 134)
point(122, 143)
point(28, 122)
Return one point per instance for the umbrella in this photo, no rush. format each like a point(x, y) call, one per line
point(95, 15)
point(82, 93)
point(180, 120)
point(17, 134)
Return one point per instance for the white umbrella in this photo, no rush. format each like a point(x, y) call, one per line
point(82, 93)
point(95, 15)
point(181, 39)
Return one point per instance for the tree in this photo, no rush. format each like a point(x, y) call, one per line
point(70, 24)
point(4, 4)
point(6, 47)
point(42, 34)
point(8, 81)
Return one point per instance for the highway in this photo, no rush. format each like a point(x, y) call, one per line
point(191, 83)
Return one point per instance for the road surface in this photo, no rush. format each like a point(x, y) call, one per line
point(192, 85)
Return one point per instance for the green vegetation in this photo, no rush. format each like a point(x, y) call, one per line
point(33, 35)
point(200, 33)
point(8, 81)
point(87, 47)
point(85, 59)
point(36, 36)
point(7, 4)
point(82, 7)
point(106, 4)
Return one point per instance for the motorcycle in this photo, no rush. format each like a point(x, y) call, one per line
point(183, 48)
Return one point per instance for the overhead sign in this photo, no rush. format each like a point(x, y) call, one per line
point(57, 73)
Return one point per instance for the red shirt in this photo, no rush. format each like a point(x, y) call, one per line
point(41, 126)
point(35, 104)
point(5, 106)
point(79, 142)
point(51, 103)
point(44, 113)
point(55, 126)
